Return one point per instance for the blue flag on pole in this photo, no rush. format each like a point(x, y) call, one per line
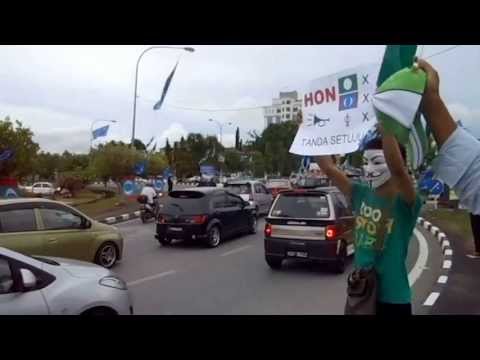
point(100, 132)
point(158, 105)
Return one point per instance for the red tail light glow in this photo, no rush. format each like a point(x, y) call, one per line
point(268, 230)
point(331, 232)
point(199, 219)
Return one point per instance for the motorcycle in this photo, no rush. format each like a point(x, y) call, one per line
point(147, 211)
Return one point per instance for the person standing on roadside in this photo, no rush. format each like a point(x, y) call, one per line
point(458, 161)
point(170, 184)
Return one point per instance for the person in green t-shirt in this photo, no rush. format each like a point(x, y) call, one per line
point(386, 211)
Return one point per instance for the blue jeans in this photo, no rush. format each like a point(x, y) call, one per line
point(458, 165)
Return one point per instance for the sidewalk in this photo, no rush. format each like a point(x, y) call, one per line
point(461, 295)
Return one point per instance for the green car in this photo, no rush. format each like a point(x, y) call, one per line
point(50, 228)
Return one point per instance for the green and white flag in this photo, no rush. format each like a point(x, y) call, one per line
point(396, 104)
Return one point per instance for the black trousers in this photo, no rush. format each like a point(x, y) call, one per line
point(475, 223)
point(385, 309)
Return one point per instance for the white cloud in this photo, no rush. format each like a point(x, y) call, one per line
point(173, 133)
point(469, 116)
point(228, 140)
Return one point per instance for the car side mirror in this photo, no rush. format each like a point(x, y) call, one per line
point(29, 280)
point(86, 224)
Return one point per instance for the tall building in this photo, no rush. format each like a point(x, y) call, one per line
point(283, 108)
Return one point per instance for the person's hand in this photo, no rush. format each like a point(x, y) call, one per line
point(433, 80)
point(299, 118)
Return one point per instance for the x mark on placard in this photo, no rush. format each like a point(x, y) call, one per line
point(365, 98)
point(365, 116)
point(365, 79)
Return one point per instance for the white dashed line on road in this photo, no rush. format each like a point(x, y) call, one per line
point(234, 251)
point(448, 252)
point(447, 264)
point(431, 299)
point(442, 279)
point(153, 277)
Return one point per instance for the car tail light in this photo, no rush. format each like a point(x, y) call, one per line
point(199, 219)
point(331, 232)
point(268, 230)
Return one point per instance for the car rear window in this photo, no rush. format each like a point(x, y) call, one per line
point(239, 189)
point(305, 206)
point(184, 202)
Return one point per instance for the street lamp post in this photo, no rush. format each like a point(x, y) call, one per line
point(189, 49)
point(91, 129)
point(220, 126)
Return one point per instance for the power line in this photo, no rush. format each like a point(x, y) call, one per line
point(443, 51)
point(215, 110)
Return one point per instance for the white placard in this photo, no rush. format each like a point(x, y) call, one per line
point(337, 112)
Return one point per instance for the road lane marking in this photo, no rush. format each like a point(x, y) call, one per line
point(431, 299)
point(447, 264)
point(442, 279)
point(422, 258)
point(448, 252)
point(234, 251)
point(445, 244)
point(149, 278)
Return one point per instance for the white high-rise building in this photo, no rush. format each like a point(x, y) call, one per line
point(284, 108)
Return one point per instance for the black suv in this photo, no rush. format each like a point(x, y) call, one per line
point(310, 224)
point(207, 215)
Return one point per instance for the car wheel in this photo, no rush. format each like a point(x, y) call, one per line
point(99, 311)
point(274, 262)
point(214, 236)
point(253, 225)
point(165, 241)
point(107, 255)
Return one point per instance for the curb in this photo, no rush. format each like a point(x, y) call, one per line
point(447, 252)
point(121, 218)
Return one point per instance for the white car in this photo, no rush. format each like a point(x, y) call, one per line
point(57, 286)
point(43, 188)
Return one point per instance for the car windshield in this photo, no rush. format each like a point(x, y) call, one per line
point(239, 189)
point(278, 184)
point(307, 206)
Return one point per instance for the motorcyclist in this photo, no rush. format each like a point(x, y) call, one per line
point(151, 195)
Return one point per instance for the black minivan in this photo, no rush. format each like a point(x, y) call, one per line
point(206, 215)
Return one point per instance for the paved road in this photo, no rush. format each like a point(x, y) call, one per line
point(234, 278)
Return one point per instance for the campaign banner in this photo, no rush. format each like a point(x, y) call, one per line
point(337, 112)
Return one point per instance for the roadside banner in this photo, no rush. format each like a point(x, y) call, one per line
point(337, 112)
point(208, 170)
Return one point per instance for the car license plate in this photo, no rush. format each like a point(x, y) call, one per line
point(175, 229)
point(300, 254)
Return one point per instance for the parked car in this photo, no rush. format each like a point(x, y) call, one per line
point(274, 186)
point(43, 188)
point(254, 192)
point(50, 228)
point(56, 286)
point(312, 225)
point(206, 215)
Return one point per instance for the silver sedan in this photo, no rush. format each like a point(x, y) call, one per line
point(57, 286)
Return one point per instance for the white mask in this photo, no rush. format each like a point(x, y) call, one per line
point(375, 168)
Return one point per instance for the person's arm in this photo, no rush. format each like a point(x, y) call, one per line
point(433, 108)
point(338, 177)
point(397, 168)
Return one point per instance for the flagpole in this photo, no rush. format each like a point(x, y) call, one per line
point(135, 96)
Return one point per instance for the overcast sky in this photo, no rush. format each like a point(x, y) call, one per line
point(59, 90)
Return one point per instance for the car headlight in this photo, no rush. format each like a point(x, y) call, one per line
point(251, 202)
point(113, 282)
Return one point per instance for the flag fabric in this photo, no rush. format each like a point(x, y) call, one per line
point(100, 132)
point(158, 105)
point(396, 105)
point(6, 154)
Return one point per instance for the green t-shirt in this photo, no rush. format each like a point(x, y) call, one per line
point(395, 219)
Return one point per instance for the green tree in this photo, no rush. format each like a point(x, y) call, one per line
point(115, 161)
point(157, 162)
point(168, 152)
point(233, 161)
point(139, 145)
point(19, 139)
